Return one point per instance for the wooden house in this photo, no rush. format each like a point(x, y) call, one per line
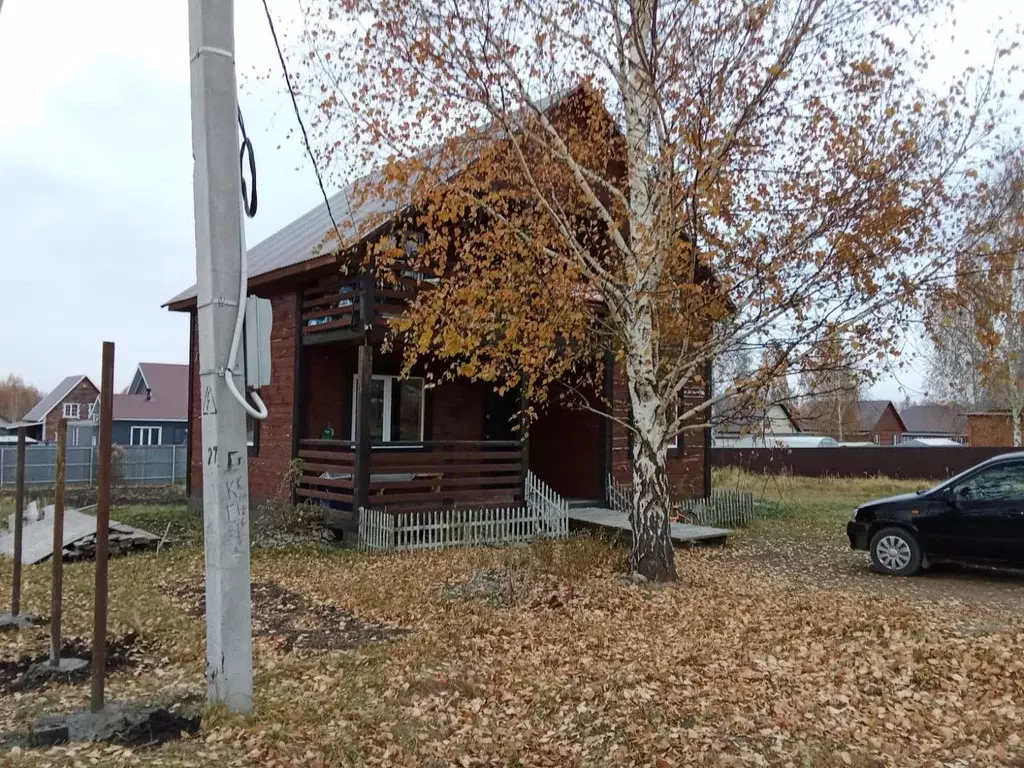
point(402, 444)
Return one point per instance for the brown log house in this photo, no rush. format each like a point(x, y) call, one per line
point(419, 447)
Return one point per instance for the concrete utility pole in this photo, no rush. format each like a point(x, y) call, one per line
point(217, 190)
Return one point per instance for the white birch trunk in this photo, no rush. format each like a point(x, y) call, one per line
point(1015, 417)
point(652, 555)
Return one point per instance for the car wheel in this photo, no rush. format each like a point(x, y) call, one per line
point(896, 552)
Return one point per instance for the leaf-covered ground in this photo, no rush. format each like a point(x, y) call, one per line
point(780, 650)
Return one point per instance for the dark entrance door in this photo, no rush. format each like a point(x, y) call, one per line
point(500, 415)
point(566, 449)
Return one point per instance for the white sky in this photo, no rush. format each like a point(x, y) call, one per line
point(96, 226)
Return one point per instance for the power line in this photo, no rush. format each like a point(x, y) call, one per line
point(305, 135)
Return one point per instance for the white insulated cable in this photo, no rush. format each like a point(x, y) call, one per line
point(229, 371)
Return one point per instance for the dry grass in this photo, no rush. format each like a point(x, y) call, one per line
point(572, 667)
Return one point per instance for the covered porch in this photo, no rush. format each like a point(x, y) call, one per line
point(371, 437)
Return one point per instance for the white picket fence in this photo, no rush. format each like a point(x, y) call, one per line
point(545, 515)
point(725, 508)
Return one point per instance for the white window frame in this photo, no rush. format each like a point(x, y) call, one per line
point(92, 411)
point(138, 430)
point(389, 385)
point(71, 410)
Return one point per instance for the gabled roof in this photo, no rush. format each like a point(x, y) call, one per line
point(359, 209)
point(168, 395)
point(739, 417)
point(870, 411)
point(936, 419)
point(57, 394)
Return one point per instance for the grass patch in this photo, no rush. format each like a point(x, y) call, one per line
point(186, 526)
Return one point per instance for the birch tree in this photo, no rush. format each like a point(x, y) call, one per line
point(665, 182)
point(977, 322)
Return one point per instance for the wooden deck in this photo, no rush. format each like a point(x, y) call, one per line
point(681, 532)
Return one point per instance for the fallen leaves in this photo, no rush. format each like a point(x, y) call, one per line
point(567, 667)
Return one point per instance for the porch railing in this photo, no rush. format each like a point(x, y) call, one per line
point(427, 474)
point(332, 305)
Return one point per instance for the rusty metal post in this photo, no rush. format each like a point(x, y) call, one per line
point(57, 586)
point(19, 513)
point(99, 625)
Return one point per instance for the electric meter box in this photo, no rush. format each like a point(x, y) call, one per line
point(258, 321)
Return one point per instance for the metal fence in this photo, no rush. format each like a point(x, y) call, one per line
point(131, 465)
point(900, 462)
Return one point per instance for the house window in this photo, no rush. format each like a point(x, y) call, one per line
point(146, 435)
point(92, 411)
point(396, 409)
point(71, 410)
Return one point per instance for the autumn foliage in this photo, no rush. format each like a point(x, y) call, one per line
point(667, 182)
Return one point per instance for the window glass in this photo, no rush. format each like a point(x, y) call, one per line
point(999, 483)
point(376, 410)
point(396, 409)
point(407, 407)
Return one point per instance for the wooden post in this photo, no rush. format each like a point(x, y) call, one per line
point(19, 513)
point(99, 625)
point(57, 585)
point(364, 383)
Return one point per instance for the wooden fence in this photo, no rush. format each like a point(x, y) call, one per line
point(545, 515)
point(905, 463)
point(723, 508)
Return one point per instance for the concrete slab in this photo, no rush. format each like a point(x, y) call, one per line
point(116, 722)
point(12, 623)
point(66, 671)
point(37, 534)
point(681, 533)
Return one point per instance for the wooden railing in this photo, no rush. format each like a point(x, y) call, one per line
point(328, 468)
point(331, 308)
point(421, 475)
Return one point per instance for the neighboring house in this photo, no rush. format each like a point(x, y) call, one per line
point(990, 429)
point(934, 421)
point(874, 421)
point(451, 444)
point(753, 423)
point(153, 410)
point(73, 399)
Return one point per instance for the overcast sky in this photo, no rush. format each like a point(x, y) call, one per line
point(96, 225)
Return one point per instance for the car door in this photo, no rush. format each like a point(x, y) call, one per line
point(990, 508)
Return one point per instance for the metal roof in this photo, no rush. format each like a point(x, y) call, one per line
point(167, 399)
point(57, 394)
point(359, 208)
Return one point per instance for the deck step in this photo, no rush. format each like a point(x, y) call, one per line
point(681, 533)
point(588, 504)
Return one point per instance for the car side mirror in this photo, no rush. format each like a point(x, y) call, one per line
point(949, 496)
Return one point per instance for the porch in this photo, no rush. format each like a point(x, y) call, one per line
point(416, 475)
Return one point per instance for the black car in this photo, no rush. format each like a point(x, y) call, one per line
point(975, 517)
